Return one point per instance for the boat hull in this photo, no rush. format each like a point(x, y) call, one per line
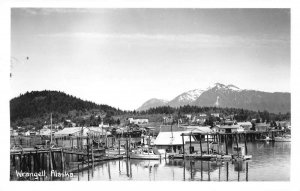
point(145, 157)
point(282, 139)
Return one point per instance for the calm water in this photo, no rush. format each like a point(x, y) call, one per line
point(270, 162)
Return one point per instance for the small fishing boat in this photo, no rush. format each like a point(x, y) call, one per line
point(144, 154)
point(265, 138)
point(200, 157)
point(195, 156)
point(115, 151)
point(175, 156)
point(284, 138)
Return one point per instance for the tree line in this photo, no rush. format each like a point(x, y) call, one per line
point(34, 108)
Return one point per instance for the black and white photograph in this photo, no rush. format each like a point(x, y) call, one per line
point(150, 94)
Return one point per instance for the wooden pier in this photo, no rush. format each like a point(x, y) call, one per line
point(234, 138)
point(60, 159)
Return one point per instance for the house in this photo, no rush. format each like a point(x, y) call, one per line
point(71, 131)
point(199, 129)
point(27, 133)
point(168, 119)
point(215, 129)
point(200, 132)
point(229, 122)
point(45, 132)
point(200, 120)
point(247, 125)
point(228, 128)
point(261, 127)
point(97, 131)
point(13, 132)
point(215, 114)
point(171, 141)
point(32, 133)
point(188, 116)
point(283, 124)
point(138, 121)
point(203, 115)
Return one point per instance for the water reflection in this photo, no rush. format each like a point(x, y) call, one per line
point(265, 156)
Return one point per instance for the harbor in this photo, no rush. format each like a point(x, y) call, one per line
point(85, 154)
point(158, 94)
point(265, 156)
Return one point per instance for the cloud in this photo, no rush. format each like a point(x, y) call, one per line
point(49, 11)
point(202, 40)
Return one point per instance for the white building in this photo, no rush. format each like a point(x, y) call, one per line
point(171, 141)
point(215, 114)
point(245, 125)
point(138, 121)
point(72, 131)
point(45, 132)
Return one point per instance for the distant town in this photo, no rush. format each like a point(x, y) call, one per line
point(217, 122)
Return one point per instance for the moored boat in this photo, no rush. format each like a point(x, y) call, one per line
point(200, 157)
point(115, 151)
point(265, 138)
point(284, 138)
point(144, 154)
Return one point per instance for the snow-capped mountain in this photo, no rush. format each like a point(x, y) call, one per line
point(220, 95)
point(219, 86)
point(152, 103)
point(185, 98)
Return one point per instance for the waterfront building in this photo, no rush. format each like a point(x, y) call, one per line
point(45, 132)
point(138, 121)
point(261, 127)
point(71, 131)
point(97, 131)
point(247, 125)
point(229, 128)
point(171, 141)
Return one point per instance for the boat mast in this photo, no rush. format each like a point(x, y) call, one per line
point(51, 128)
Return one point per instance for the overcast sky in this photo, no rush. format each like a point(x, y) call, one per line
point(123, 57)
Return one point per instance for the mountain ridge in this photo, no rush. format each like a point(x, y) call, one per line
point(220, 95)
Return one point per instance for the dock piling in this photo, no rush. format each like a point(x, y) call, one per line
point(183, 145)
point(190, 143)
point(119, 146)
point(200, 146)
point(62, 161)
point(246, 149)
point(237, 144)
point(207, 144)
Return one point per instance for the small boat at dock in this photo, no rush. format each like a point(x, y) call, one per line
point(265, 138)
point(200, 157)
point(145, 154)
point(115, 151)
point(284, 138)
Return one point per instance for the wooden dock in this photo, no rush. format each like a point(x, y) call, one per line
point(56, 158)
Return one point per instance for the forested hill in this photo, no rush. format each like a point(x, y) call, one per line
point(37, 104)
